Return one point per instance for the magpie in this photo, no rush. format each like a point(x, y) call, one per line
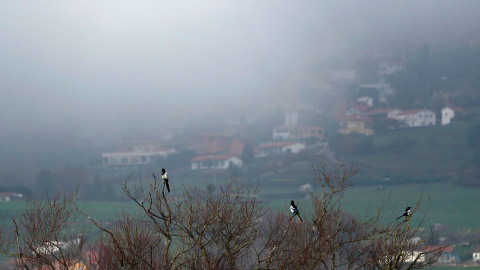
point(406, 213)
point(165, 178)
point(294, 210)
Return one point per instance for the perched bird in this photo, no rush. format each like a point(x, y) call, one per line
point(165, 178)
point(406, 213)
point(294, 210)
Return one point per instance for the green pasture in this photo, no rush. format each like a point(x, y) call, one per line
point(454, 206)
point(433, 152)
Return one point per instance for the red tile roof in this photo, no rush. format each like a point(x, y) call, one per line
point(414, 111)
point(457, 109)
point(444, 249)
point(379, 111)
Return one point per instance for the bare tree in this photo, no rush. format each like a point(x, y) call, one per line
point(332, 238)
point(42, 236)
point(231, 229)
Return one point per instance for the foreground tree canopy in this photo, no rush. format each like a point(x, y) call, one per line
point(223, 228)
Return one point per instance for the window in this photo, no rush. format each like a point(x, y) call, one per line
point(143, 159)
point(124, 160)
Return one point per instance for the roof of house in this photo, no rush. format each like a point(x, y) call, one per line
point(211, 157)
point(236, 147)
point(456, 109)
point(414, 111)
point(445, 249)
point(379, 111)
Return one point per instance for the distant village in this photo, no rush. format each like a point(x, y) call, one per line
point(351, 101)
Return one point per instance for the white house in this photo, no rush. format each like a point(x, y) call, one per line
point(282, 133)
point(8, 196)
point(215, 162)
point(277, 148)
point(448, 113)
point(134, 157)
point(476, 256)
point(416, 118)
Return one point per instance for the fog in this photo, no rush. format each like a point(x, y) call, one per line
point(116, 66)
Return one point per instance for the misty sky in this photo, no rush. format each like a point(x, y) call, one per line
point(110, 64)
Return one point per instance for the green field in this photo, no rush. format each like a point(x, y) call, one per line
point(453, 206)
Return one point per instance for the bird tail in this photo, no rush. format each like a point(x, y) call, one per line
point(399, 216)
point(168, 187)
point(298, 215)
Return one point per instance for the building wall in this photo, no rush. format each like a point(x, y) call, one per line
point(293, 148)
point(358, 127)
point(216, 164)
point(447, 115)
point(420, 119)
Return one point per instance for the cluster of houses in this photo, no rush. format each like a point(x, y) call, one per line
point(361, 117)
point(220, 151)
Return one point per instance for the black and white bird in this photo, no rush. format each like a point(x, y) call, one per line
point(294, 210)
point(406, 213)
point(165, 179)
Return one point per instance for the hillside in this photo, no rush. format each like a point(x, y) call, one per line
point(426, 154)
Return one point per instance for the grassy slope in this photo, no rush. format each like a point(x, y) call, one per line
point(438, 152)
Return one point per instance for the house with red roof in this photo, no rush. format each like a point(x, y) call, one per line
point(278, 148)
point(220, 157)
point(447, 253)
point(209, 142)
point(416, 118)
point(449, 112)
